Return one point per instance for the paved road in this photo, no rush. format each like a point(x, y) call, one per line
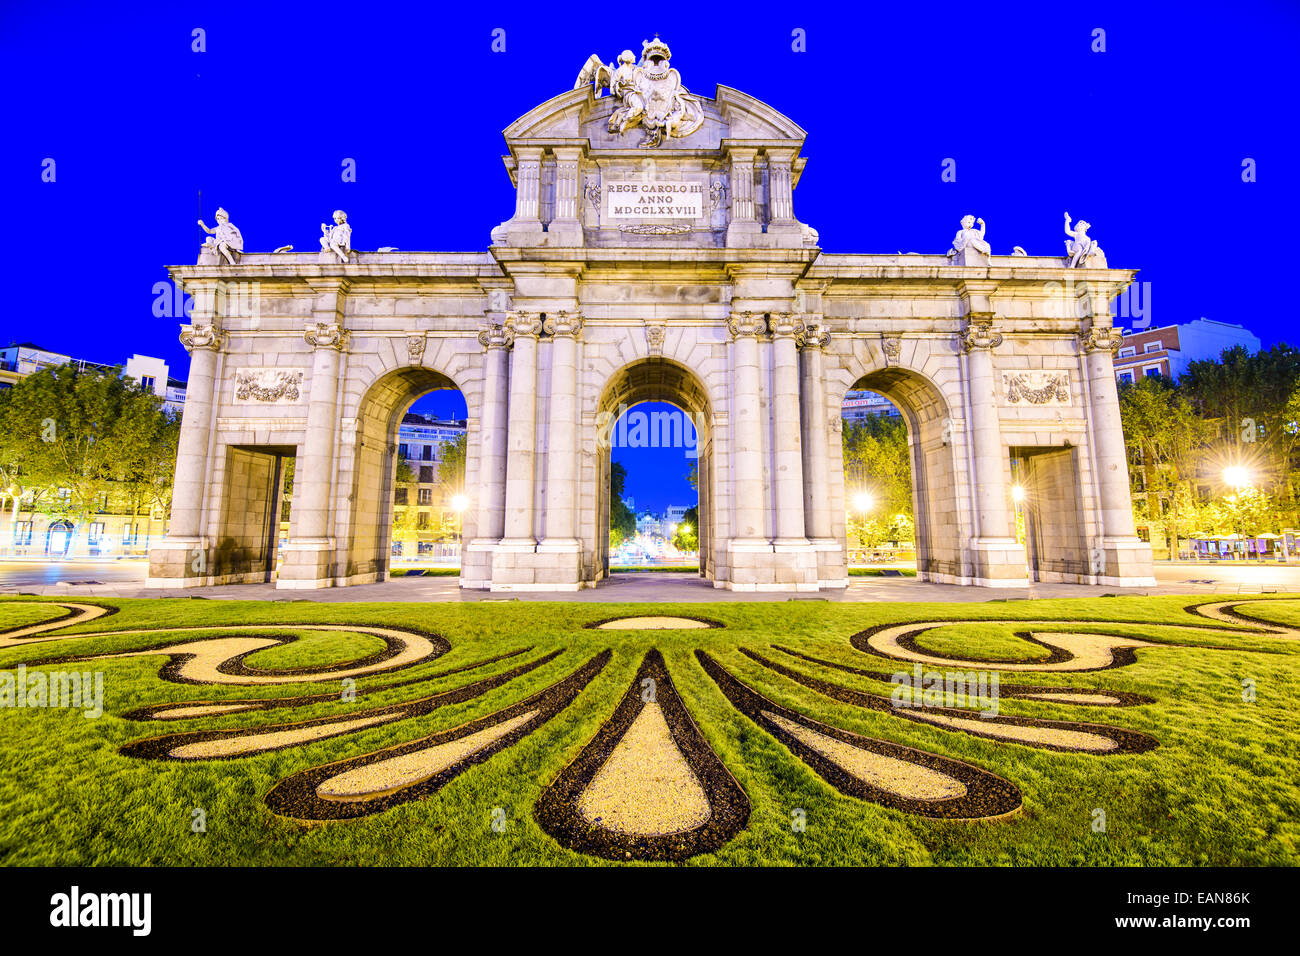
point(125, 578)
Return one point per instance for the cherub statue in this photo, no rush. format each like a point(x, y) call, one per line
point(225, 239)
point(970, 238)
point(337, 238)
point(1081, 248)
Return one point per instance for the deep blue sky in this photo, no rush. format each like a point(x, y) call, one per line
point(1145, 140)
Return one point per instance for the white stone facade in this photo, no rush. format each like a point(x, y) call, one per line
point(729, 311)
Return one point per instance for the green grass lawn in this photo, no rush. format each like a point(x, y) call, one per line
point(1223, 787)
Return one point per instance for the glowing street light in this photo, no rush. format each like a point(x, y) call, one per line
point(1235, 476)
point(863, 502)
point(1017, 493)
point(459, 503)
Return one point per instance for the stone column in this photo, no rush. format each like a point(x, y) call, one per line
point(522, 435)
point(183, 557)
point(309, 553)
point(744, 223)
point(998, 559)
point(817, 519)
point(491, 492)
point(746, 329)
point(780, 191)
point(788, 456)
point(1123, 558)
point(562, 438)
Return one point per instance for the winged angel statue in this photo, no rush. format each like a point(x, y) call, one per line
point(651, 93)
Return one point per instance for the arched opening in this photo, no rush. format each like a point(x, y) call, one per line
point(654, 420)
point(900, 476)
point(58, 538)
point(408, 491)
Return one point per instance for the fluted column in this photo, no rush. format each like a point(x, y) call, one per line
point(528, 180)
point(780, 185)
point(522, 436)
point(746, 329)
point(788, 455)
point(316, 464)
point(817, 516)
point(979, 339)
point(203, 340)
point(491, 491)
point(564, 329)
point(1116, 505)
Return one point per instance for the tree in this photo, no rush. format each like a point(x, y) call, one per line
point(451, 465)
point(1168, 441)
point(878, 463)
point(622, 522)
point(687, 535)
point(82, 432)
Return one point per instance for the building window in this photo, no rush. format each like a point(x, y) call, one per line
point(146, 382)
point(96, 532)
point(1126, 376)
point(1128, 352)
point(428, 453)
point(399, 496)
point(426, 474)
point(422, 521)
point(1151, 371)
point(403, 451)
point(23, 532)
point(1153, 347)
point(425, 497)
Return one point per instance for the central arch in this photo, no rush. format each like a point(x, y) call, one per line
point(936, 472)
point(656, 379)
point(375, 459)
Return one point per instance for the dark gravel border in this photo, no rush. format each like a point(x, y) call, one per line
point(159, 748)
point(1027, 691)
point(987, 795)
point(1126, 741)
point(158, 711)
point(557, 811)
point(295, 796)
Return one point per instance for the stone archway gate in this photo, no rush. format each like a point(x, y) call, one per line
point(989, 357)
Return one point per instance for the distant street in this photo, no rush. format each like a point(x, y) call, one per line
point(126, 578)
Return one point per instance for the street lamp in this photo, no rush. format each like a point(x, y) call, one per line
point(863, 502)
point(458, 504)
point(1236, 476)
point(1017, 493)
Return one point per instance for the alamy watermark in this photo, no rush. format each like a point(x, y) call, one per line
point(640, 429)
point(74, 690)
point(922, 688)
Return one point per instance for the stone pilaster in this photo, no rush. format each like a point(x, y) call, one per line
point(783, 229)
point(744, 225)
point(998, 560)
point(565, 229)
point(182, 559)
point(526, 226)
point(1122, 558)
point(309, 553)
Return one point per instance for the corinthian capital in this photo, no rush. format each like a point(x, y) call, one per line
point(527, 324)
point(202, 337)
point(326, 335)
point(746, 323)
point(1100, 337)
point(496, 336)
point(979, 333)
point(563, 324)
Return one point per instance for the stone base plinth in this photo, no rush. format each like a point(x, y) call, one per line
point(763, 566)
point(176, 563)
point(544, 566)
point(1125, 563)
point(832, 566)
point(307, 564)
point(998, 563)
point(476, 563)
